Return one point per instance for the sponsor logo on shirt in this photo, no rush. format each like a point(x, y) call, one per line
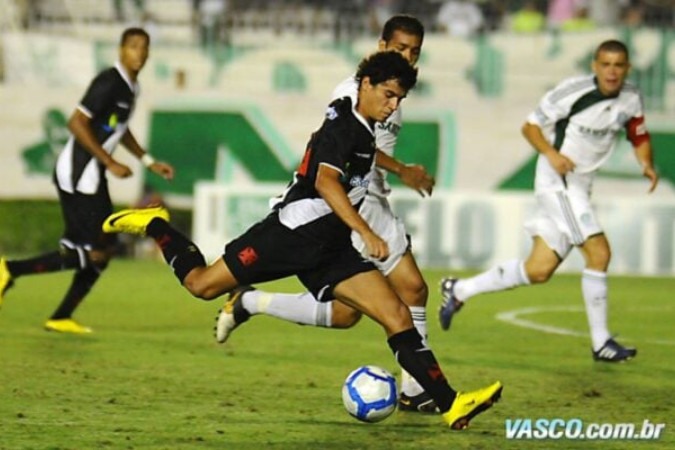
point(331, 113)
point(594, 132)
point(112, 123)
point(358, 181)
point(389, 127)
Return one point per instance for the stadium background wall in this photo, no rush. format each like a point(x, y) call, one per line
point(244, 119)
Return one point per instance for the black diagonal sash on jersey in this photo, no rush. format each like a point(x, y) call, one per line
point(583, 102)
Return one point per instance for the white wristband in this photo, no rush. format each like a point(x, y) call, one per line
point(147, 160)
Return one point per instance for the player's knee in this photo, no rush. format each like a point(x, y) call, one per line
point(98, 259)
point(599, 260)
point(197, 285)
point(420, 293)
point(414, 293)
point(539, 275)
point(199, 289)
point(343, 316)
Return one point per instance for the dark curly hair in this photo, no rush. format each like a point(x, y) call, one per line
point(384, 66)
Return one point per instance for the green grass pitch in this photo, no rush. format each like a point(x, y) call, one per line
point(152, 376)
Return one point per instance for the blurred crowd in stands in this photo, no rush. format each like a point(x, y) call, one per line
point(350, 18)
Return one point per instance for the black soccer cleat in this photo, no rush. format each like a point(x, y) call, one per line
point(422, 403)
point(614, 352)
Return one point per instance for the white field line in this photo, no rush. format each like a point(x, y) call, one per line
point(514, 317)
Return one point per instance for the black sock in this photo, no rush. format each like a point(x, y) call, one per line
point(49, 262)
point(421, 364)
point(83, 281)
point(179, 252)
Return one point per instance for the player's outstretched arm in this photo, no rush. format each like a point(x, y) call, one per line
point(644, 155)
point(162, 169)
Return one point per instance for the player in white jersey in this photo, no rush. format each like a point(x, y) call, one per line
point(574, 129)
point(403, 34)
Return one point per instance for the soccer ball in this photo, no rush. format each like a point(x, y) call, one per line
point(369, 393)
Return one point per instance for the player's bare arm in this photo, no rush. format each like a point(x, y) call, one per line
point(561, 163)
point(162, 169)
point(414, 176)
point(328, 185)
point(643, 153)
point(79, 125)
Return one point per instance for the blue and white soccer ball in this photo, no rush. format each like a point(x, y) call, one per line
point(369, 393)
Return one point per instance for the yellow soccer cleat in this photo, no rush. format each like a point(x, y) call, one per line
point(467, 405)
point(134, 221)
point(5, 279)
point(66, 326)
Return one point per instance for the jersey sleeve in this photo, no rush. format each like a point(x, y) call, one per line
point(636, 128)
point(551, 108)
point(333, 148)
point(98, 96)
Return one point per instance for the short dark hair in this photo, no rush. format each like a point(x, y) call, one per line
point(384, 66)
point(133, 31)
point(402, 22)
point(613, 46)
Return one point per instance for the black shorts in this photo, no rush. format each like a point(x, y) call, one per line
point(83, 215)
point(270, 251)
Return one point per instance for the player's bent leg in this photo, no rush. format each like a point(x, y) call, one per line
point(84, 279)
point(594, 288)
point(300, 308)
point(388, 310)
point(408, 282)
point(542, 262)
point(343, 316)
point(404, 341)
point(597, 253)
point(209, 282)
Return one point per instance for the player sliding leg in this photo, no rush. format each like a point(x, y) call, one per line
point(358, 291)
point(303, 308)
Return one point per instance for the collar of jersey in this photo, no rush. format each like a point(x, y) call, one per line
point(125, 76)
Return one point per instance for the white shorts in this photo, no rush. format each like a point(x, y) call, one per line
point(377, 212)
point(563, 219)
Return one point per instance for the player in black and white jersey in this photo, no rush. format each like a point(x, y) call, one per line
point(308, 234)
point(403, 34)
point(574, 129)
point(99, 123)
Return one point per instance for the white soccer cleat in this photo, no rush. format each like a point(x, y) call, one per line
point(232, 314)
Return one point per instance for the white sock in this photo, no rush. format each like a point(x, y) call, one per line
point(594, 289)
point(507, 275)
point(298, 308)
point(410, 386)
